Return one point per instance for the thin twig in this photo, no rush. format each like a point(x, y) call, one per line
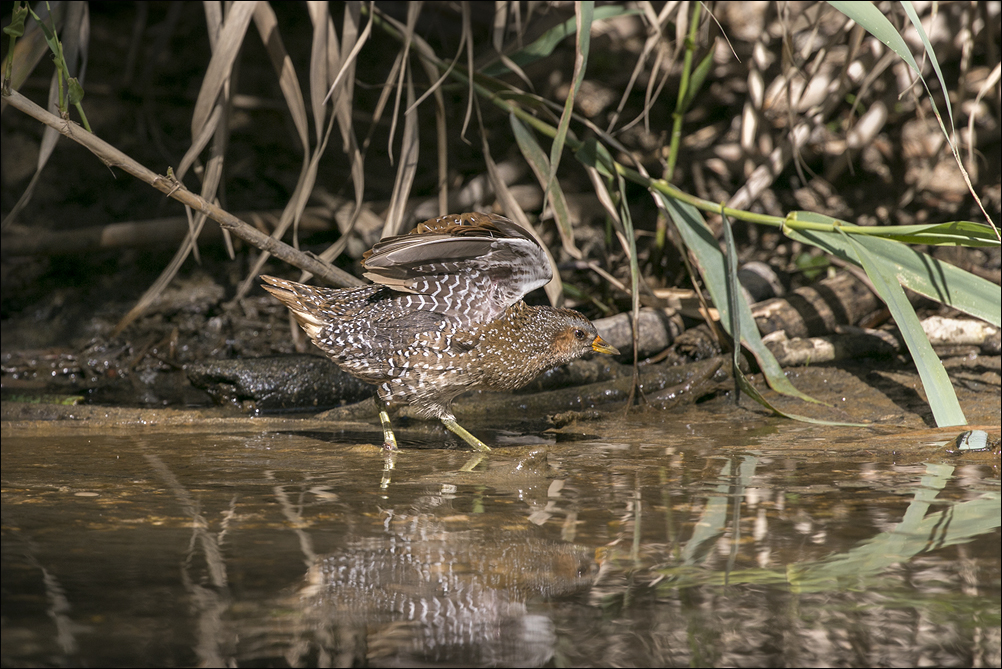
point(112, 157)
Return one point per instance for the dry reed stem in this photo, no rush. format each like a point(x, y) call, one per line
point(112, 157)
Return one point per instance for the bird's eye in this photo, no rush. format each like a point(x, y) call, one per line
point(581, 334)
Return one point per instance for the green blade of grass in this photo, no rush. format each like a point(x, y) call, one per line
point(540, 164)
point(733, 295)
point(710, 259)
point(631, 248)
point(585, 12)
point(953, 233)
point(549, 40)
point(916, 271)
point(931, 53)
point(696, 81)
point(938, 388)
point(735, 302)
point(870, 18)
point(753, 393)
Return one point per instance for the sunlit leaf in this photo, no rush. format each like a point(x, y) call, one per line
point(873, 20)
point(916, 271)
point(952, 233)
point(938, 387)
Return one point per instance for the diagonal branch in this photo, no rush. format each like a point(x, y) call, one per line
point(112, 157)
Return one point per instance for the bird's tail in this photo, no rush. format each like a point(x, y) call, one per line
point(305, 302)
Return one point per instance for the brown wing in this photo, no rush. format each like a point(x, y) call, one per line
point(472, 266)
point(362, 329)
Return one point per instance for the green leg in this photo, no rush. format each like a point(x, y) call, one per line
point(459, 430)
point(389, 439)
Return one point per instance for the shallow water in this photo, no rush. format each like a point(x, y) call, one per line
point(712, 538)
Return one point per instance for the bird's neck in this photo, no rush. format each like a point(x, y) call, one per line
point(515, 348)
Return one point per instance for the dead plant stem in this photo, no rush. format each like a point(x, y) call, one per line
point(112, 157)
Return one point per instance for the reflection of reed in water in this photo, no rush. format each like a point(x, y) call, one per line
point(428, 593)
